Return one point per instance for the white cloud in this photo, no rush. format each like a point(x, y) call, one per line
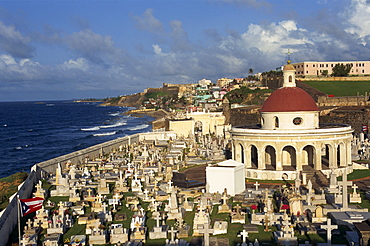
point(80, 64)
point(14, 43)
point(157, 49)
point(148, 22)
point(93, 46)
point(358, 16)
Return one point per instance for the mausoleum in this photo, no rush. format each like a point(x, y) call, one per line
point(290, 138)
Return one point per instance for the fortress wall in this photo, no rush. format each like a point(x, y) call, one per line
point(343, 101)
point(9, 216)
point(243, 116)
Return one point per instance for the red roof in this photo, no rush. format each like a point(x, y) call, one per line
point(289, 99)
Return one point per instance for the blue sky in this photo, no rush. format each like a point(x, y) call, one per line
point(51, 50)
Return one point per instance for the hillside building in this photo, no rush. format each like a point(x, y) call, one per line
point(314, 68)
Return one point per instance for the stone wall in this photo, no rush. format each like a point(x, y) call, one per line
point(354, 116)
point(244, 116)
point(344, 101)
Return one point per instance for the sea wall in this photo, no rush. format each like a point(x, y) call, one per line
point(9, 216)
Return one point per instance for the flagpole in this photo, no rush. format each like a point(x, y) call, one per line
point(19, 220)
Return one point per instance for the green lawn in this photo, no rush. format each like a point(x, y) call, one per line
point(357, 174)
point(341, 88)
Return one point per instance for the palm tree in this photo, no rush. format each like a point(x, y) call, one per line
point(251, 71)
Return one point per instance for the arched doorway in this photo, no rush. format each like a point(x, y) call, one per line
point(241, 149)
point(289, 158)
point(254, 156)
point(308, 156)
point(270, 157)
point(327, 156)
point(341, 155)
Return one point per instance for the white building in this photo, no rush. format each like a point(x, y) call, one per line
point(227, 174)
point(290, 137)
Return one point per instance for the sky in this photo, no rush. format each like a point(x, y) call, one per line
point(73, 49)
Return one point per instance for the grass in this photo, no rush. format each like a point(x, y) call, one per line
point(9, 186)
point(341, 88)
point(357, 174)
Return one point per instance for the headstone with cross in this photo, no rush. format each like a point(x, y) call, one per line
point(206, 231)
point(328, 227)
point(345, 183)
point(244, 235)
point(257, 185)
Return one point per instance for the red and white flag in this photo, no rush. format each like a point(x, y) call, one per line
point(30, 205)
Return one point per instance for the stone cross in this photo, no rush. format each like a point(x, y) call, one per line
point(104, 205)
point(170, 184)
point(257, 185)
point(244, 235)
point(89, 191)
point(142, 211)
point(329, 227)
point(206, 231)
point(172, 231)
point(345, 184)
point(29, 224)
point(24, 242)
point(224, 199)
point(157, 217)
point(354, 186)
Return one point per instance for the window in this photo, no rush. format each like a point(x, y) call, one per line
point(276, 122)
point(363, 71)
point(313, 65)
point(327, 65)
point(297, 121)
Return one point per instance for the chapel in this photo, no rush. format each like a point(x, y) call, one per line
point(290, 138)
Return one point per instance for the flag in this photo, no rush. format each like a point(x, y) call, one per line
point(30, 205)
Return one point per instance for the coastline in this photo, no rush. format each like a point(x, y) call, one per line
point(157, 114)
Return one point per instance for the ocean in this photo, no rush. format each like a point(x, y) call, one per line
point(32, 132)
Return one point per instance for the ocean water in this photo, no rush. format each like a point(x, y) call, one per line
point(32, 132)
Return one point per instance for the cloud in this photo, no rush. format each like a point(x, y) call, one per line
point(179, 36)
point(14, 43)
point(358, 18)
point(94, 47)
point(147, 22)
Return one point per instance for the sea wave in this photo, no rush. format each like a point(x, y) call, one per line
point(104, 134)
point(95, 128)
point(117, 124)
point(139, 127)
point(114, 114)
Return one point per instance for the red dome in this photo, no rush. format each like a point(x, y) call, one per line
point(289, 99)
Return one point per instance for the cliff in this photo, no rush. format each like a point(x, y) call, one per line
point(134, 100)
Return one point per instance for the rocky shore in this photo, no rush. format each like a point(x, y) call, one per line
point(157, 114)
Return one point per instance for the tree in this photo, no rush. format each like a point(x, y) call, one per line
point(325, 73)
point(250, 70)
point(341, 70)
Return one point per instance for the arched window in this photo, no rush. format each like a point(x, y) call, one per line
point(276, 122)
point(290, 78)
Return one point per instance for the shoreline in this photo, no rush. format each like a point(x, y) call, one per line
point(157, 114)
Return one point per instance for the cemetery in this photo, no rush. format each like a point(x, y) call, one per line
point(127, 197)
